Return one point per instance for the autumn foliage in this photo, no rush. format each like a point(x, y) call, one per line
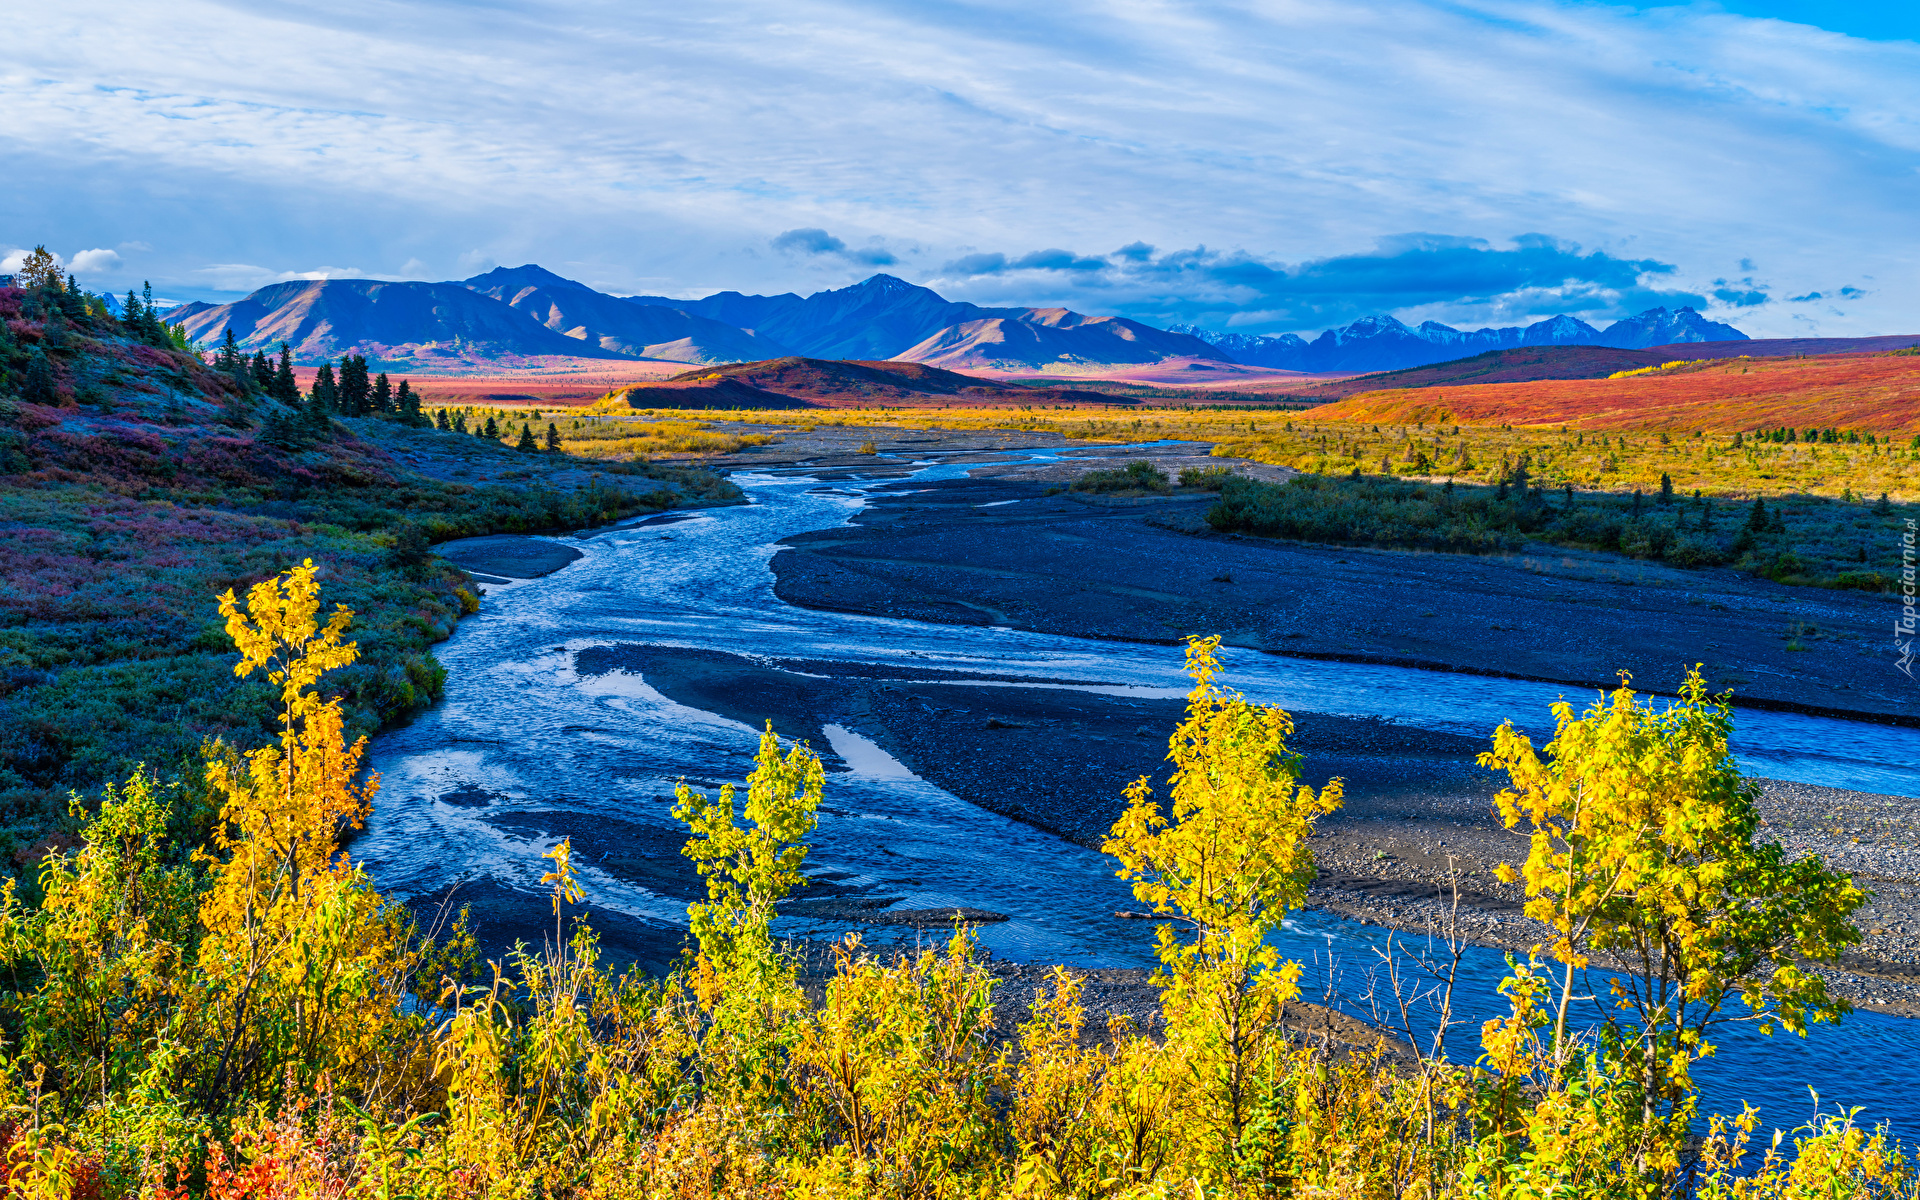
point(255, 1022)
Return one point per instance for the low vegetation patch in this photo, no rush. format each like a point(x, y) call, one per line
point(1804, 541)
point(138, 477)
point(1137, 477)
point(254, 1020)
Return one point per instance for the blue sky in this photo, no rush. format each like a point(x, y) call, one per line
point(1264, 165)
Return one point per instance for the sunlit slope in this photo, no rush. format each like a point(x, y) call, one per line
point(1868, 392)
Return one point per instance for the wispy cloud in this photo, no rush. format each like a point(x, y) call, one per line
point(820, 243)
point(1533, 276)
point(245, 277)
point(670, 150)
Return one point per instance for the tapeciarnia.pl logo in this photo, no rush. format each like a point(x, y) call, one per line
point(1903, 628)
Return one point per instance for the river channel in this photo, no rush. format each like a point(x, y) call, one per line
point(522, 725)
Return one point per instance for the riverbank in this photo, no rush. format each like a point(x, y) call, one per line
point(1417, 818)
point(1057, 756)
point(996, 549)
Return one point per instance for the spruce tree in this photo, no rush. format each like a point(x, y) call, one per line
point(1666, 488)
point(440, 421)
point(353, 392)
point(382, 401)
point(492, 431)
point(37, 387)
point(553, 438)
point(526, 441)
point(1757, 519)
point(262, 372)
point(324, 399)
point(286, 388)
point(408, 401)
point(459, 421)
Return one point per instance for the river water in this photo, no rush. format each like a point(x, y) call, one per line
point(521, 724)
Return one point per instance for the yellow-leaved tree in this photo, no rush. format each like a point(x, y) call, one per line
point(1229, 861)
point(304, 967)
point(739, 976)
point(1642, 853)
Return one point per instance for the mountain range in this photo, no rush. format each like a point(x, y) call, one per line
point(528, 312)
point(1382, 343)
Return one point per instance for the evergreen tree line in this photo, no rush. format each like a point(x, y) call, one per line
point(491, 430)
point(348, 392)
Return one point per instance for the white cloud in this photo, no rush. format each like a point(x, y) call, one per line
point(245, 277)
point(95, 262)
point(668, 146)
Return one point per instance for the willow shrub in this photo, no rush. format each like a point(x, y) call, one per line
point(259, 1024)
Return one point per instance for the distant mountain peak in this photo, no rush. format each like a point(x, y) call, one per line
point(1380, 342)
point(524, 276)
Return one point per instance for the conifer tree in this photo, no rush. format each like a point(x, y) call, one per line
point(440, 421)
point(286, 388)
point(526, 441)
point(492, 431)
point(262, 372)
point(459, 421)
point(353, 393)
point(1757, 520)
point(37, 388)
point(324, 399)
point(409, 403)
point(553, 438)
point(382, 401)
point(1666, 488)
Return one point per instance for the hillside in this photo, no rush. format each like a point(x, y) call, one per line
point(1497, 366)
point(1786, 347)
point(576, 311)
point(704, 392)
point(1867, 392)
point(137, 483)
point(813, 382)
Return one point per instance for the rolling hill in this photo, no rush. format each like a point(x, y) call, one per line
point(1875, 392)
point(852, 383)
point(1497, 366)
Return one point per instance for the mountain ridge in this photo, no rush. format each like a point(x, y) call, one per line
point(577, 311)
point(1384, 343)
point(528, 312)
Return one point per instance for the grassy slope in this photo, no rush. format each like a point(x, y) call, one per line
point(1520, 365)
point(1877, 392)
point(123, 517)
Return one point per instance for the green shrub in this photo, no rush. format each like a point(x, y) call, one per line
point(1205, 479)
point(1137, 476)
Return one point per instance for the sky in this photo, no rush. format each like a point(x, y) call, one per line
point(1263, 166)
